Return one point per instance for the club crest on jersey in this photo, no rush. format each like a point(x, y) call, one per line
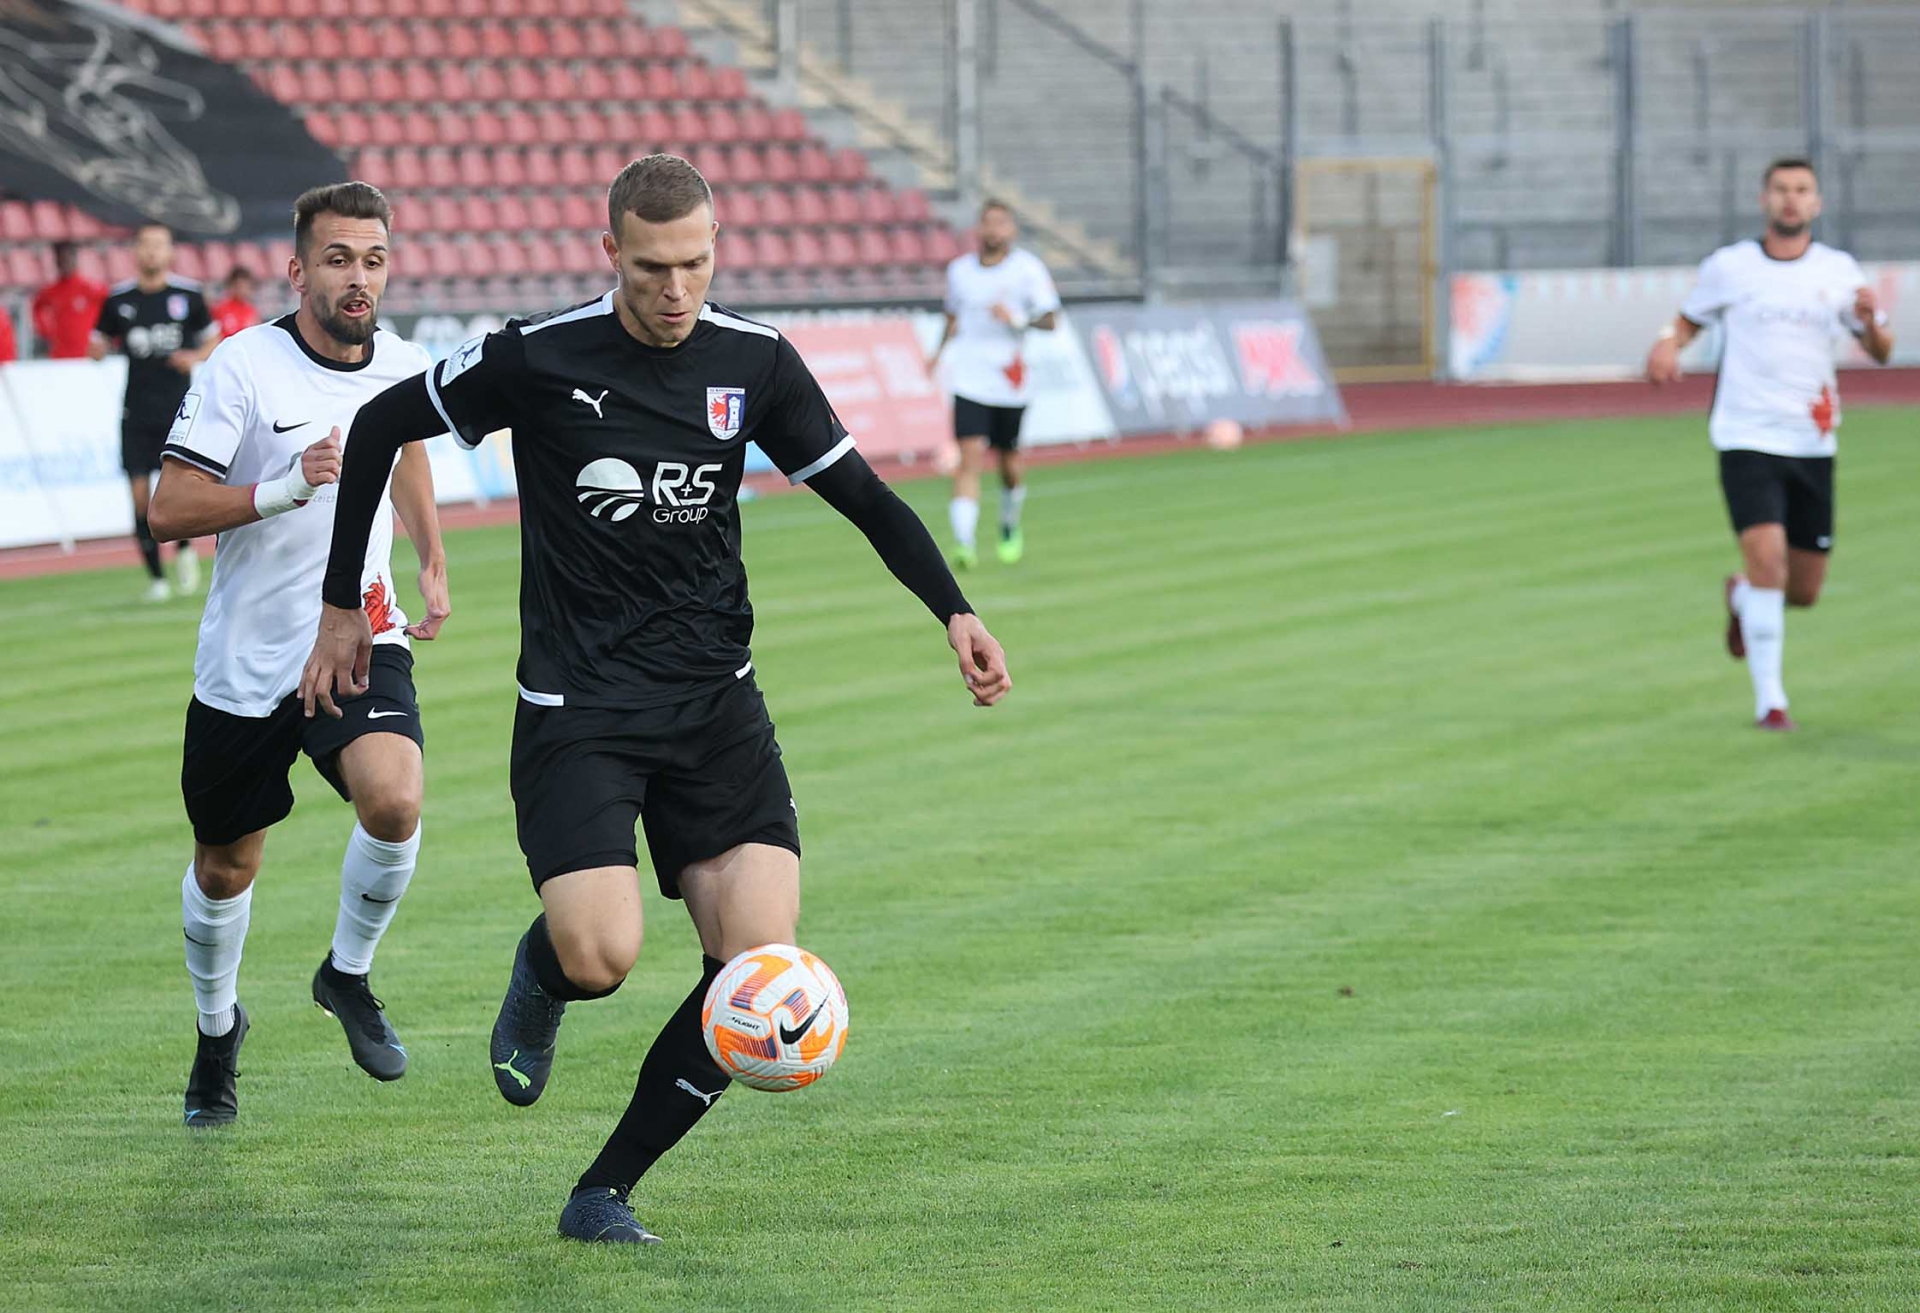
point(726, 407)
point(177, 306)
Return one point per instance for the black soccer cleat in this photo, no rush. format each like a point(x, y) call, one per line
point(524, 1034)
point(599, 1215)
point(212, 1099)
point(376, 1048)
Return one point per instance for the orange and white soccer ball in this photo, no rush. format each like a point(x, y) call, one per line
point(775, 1018)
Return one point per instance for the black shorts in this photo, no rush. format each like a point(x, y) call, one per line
point(141, 438)
point(1000, 425)
point(703, 775)
point(234, 771)
point(1795, 491)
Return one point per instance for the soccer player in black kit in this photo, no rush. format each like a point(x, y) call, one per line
point(637, 701)
point(161, 321)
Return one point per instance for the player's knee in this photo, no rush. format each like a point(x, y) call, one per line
point(223, 874)
point(393, 816)
point(599, 961)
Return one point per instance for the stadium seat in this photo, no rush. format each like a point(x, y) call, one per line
point(23, 268)
point(554, 127)
point(843, 207)
point(438, 168)
point(584, 125)
point(523, 83)
point(424, 41)
point(488, 83)
point(462, 41)
point(509, 168)
point(541, 257)
point(373, 166)
point(187, 262)
point(352, 85)
point(755, 122)
point(740, 209)
point(778, 164)
point(385, 129)
point(809, 207)
point(50, 221)
point(484, 128)
point(531, 41)
point(875, 250)
point(605, 161)
point(446, 214)
point(119, 264)
point(447, 260)
point(322, 127)
point(840, 250)
point(497, 42)
point(506, 214)
point(83, 227)
point(773, 249)
point(582, 212)
point(364, 43)
point(904, 247)
point(877, 206)
point(543, 214)
point(815, 164)
point(225, 44)
point(557, 83)
point(808, 252)
point(326, 43)
point(385, 87)
point(16, 222)
point(670, 43)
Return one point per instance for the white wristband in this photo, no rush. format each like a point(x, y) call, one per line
point(1668, 333)
point(1881, 319)
point(289, 492)
point(1018, 323)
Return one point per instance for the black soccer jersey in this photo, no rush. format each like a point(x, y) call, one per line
point(149, 327)
point(629, 457)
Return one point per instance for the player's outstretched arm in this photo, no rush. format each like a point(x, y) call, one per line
point(1663, 361)
point(344, 647)
point(851, 487)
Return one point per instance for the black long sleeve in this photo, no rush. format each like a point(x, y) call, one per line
point(403, 413)
point(851, 487)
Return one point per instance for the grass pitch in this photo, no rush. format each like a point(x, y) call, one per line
point(1371, 897)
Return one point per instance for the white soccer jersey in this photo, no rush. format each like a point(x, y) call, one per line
point(1780, 321)
point(985, 356)
point(262, 398)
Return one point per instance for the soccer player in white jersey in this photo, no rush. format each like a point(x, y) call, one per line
point(253, 456)
point(1782, 301)
point(994, 295)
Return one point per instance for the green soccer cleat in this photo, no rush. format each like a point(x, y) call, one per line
point(1013, 546)
point(964, 557)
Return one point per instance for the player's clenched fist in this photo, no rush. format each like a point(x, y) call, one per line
point(320, 463)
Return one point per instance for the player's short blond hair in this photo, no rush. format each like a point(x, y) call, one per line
point(657, 189)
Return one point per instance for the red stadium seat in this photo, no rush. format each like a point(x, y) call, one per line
point(497, 42)
point(474, 165)
point(418, 86)
point(260, 41)
point(555, 127)
point(470, 9)
point(773, 249)
point(841, 250)
point(425, 41)
point(876, 206)
point(509, 168)
point(730, 84)
point(778, 163)
point(777, 209)
point(187, 262)
point(670, 43)
point(685, 127)
point(24, 269)
point(502, 256)
point(808, 252)
point(523, 83)
point(278, 252)
point(756, 124)
point(488, 84)
point(326, 43)
point(483, 127)
point(463, 41)
point(509, 214)
point(50, 221)
point(594, 84)
point(541, 257)
point(302, 9)
point(365, 42)
point(849, 165)
point(630, 83)
point(352, 85)
point(565, 41)
point(373, 166)
point(580, 254)
point(809, 207)
point(217, 259)
point(814, 164)
point(585, 125)
point(740, 209)
point(290, 42)
point(430, 129)
point(321, 127)
point(224, 43)
point(436, 9)
point(906, 248)
point(582, 211)
point(454, 86)
point(736, 251)
point(843, 207)
point(724, 127)
point(636, 42)
point(598, 39)
point(656, 128)
point(543, 214)
point(447, 260)
point(385, 129)
point(446, 215)
point(874, 250)
point(910, 206)
point(541, 167)
point(530, 40)
point(519, 127)
point(16, 222)
point(84, 227)
point(408, 168)
point(661, 84)
point(384, 86)
point(441, 173)
point(696, 82)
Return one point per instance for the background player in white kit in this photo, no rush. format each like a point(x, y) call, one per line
point(1782, 302)
point(242, 462)
point(994, 296)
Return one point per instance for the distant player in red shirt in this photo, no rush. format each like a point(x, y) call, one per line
point(64, 311)
point(9, 346)
point(237, 311)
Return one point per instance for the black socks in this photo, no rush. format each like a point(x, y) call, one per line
point(149, 549)
point(546, 966)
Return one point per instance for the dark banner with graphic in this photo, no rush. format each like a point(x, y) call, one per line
point(1169, 367)
point(101, 108)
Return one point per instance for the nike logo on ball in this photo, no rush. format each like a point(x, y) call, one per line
point(793, 1036)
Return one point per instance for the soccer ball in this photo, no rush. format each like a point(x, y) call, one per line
point(775, 1018)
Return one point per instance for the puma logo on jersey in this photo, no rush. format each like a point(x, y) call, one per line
point(581, 396)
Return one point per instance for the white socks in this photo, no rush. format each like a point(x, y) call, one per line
point(372, 877)
point(1011, 500)
point(1763, 626)
point(216, 930)
point(964, 514)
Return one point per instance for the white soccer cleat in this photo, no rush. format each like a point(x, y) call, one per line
point(186, 569)
point(158, 591)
